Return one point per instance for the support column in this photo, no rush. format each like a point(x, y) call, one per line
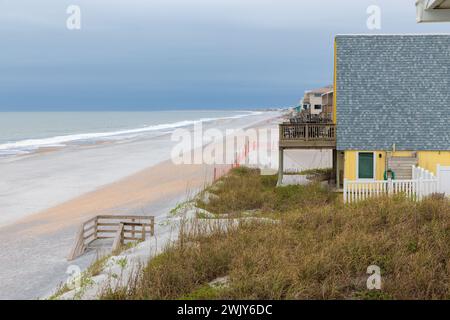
point(280, 166)
point(338, 167)
point(335, 164)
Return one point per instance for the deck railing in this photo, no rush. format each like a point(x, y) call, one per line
point(119, 228)
point(308, 131)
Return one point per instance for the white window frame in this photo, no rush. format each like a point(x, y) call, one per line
point(374, 166)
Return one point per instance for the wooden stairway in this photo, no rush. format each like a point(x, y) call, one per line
point(402, 167)
point(120, 228)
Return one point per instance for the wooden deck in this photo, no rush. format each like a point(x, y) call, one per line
point(307, 136)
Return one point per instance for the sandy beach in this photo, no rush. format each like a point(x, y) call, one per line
point(37, 263)
point(64, 188)
point(45, 196)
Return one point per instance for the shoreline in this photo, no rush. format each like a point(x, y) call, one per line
point(46, 236)
point(36, 182)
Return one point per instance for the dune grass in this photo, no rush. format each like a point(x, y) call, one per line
point(317, 249)
point(245, 189)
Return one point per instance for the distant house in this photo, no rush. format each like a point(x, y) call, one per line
point(327, 105)
point(312, 100)
point(392, 95)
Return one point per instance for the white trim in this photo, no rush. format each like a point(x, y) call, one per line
point(374, 165)
point(433, 4)
point(428, 11)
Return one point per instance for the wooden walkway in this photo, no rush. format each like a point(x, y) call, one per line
point(119, 228)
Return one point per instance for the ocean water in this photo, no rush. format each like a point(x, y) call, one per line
point(26, 132)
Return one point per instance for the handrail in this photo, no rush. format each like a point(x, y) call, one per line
point(106, 227)
point(308, 131)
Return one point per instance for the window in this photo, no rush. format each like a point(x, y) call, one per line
point(317, 95)
point(366, 167)
point(317, 106)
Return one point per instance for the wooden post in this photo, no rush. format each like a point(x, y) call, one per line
point(338, 170)
point(118, 240)
point(96, 228)
point(334, 164)
point(143, 232)
point(79, 247)
point(152, 226)
point(280, 166)
point(133, 228)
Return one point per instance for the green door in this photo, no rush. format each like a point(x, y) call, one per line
point(365, 165)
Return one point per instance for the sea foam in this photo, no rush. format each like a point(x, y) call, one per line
point(30, 145)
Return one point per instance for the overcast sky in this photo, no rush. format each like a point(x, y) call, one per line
point(170, 54)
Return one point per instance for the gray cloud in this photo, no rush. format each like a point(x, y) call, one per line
point(177, 53)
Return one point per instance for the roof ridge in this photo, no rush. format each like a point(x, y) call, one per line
point(392, 34)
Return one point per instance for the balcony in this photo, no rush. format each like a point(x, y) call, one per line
point(307, 135)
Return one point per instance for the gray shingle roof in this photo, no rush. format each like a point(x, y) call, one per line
point(393, 89)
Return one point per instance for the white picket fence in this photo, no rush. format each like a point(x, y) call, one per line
point(423, 184)
point(421, 173)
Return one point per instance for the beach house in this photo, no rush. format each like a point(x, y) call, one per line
point(392, 97)
point(391, 113)
point(327, 105)
point(312, 100)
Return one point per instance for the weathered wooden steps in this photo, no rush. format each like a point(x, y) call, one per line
point(119, 228)
point(402, 166)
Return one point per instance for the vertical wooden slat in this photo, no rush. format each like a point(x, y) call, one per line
point(152, 228)
point(79, 246)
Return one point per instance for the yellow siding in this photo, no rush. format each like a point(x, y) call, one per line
point(430, 159)
point(350, 164)
point(426, 159)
